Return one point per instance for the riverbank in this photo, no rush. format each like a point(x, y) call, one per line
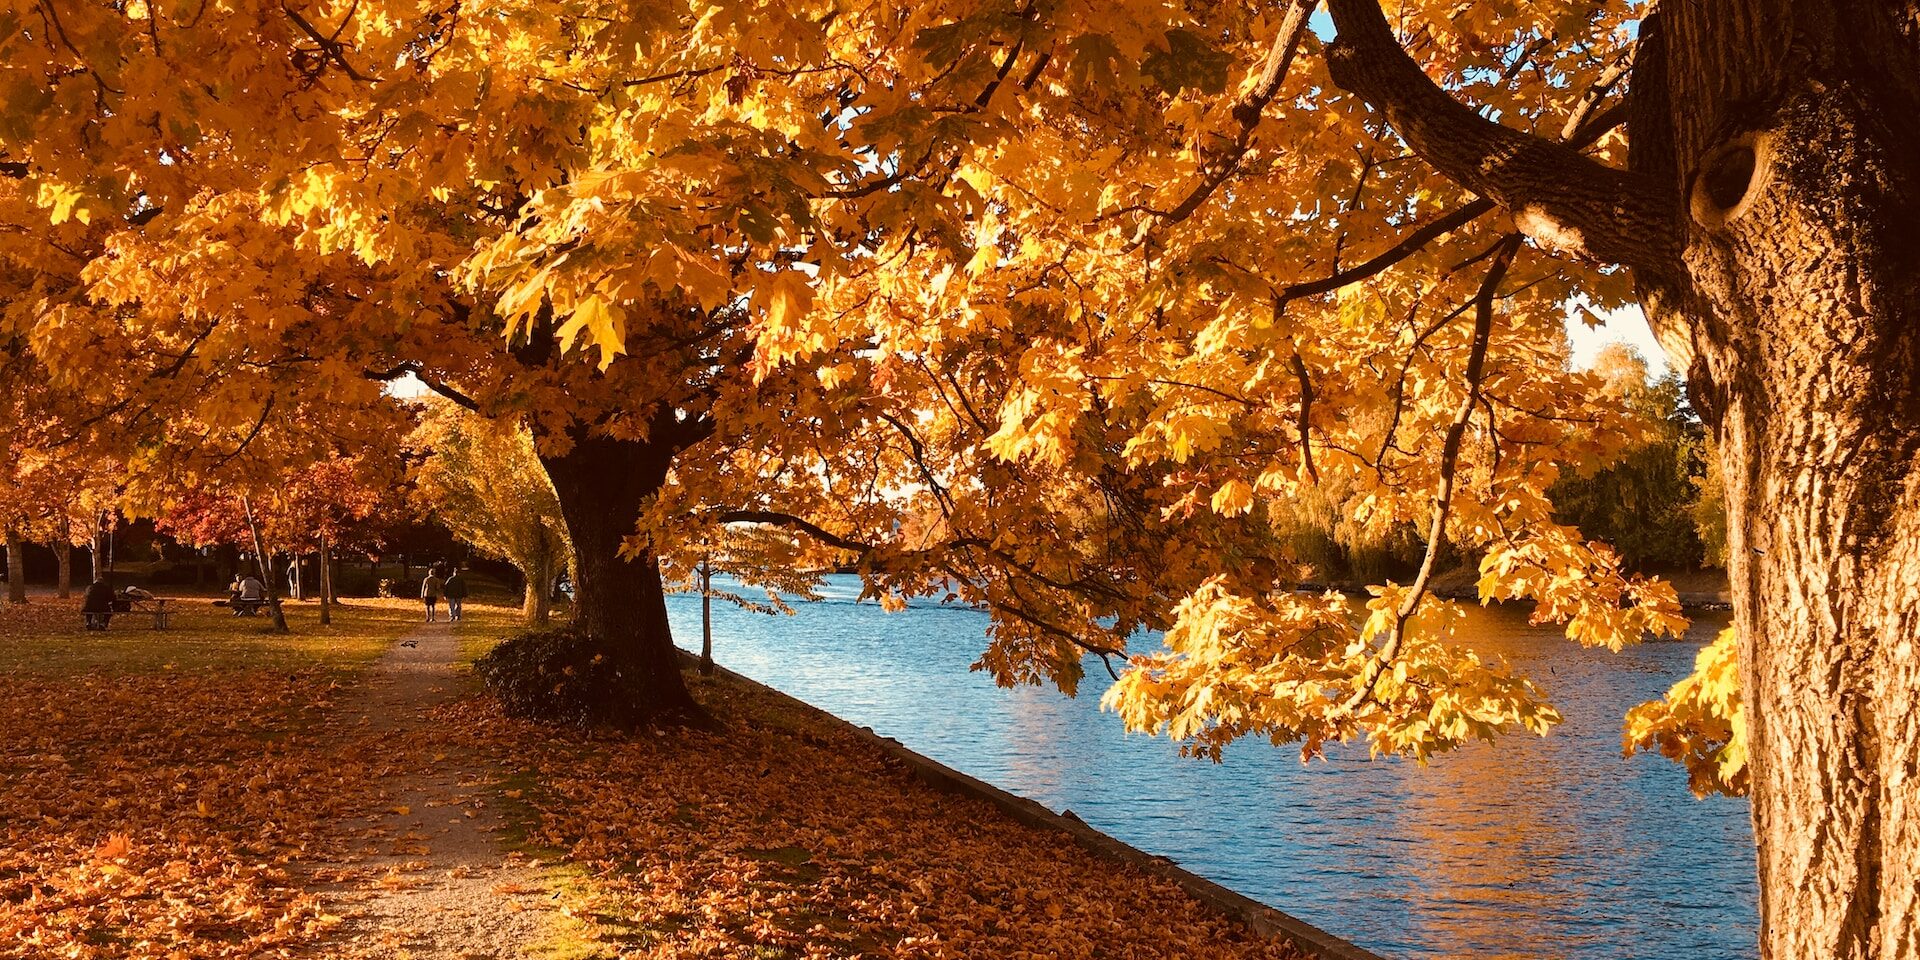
point(1532, 846)
point(785, 835)
point(217, 791)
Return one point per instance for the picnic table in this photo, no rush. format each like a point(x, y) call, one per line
point(159, 608)
point(156, 606)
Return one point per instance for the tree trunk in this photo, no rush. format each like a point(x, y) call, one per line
point(1786, 131)
point(621, 603)
point(706, 619)
point(537, 602)
point(63, 556)
point(103, 546)
point(326, 583)
point(265, 568)
point(16, 568)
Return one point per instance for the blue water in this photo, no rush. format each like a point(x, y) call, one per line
point(1532, 847)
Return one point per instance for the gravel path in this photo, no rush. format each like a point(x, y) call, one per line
point(436, 882)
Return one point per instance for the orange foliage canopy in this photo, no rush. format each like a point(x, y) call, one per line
point(1062, 308)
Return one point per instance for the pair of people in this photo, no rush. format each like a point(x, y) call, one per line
point(453, 587)
point(246, 595)
point(97, 605)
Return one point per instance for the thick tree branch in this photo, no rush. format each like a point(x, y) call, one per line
point(1588, 130)
point(1558, 197)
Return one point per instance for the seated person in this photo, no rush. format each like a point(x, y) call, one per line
point(135, 593)
point(97, 605)
point(251, 595)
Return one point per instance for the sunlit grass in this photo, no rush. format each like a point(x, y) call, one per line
point(46, 637)
point(483, 626)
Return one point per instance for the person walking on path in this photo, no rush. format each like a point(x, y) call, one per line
point(430, 590)
point(456, 591)
point(98, 605)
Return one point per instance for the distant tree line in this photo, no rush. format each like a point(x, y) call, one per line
point(1657, 504)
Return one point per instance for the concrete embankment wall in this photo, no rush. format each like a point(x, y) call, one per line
point(1257, 916)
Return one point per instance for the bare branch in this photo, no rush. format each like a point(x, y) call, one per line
point(1247, 112)
point(433, 383)
point(334, 50)
point(1443, 491)
point(1588, 130)
point(791, 522)
point(1306, 414)
point(266, 409)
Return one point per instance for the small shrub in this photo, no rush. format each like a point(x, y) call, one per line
point(556, 675)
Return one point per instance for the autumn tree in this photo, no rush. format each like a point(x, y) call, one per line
point(1099, 284)
point(52, 492)
point(483, 481)
point(346, 503)
point(279, 273)
point(1257, 225)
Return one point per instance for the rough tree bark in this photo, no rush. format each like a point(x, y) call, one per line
point(1795, 304)
point(602, 484)
point(16, 568)
point(1769, 216)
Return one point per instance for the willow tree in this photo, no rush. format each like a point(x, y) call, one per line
point(483, 480)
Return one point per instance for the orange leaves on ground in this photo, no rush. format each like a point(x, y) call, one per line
point(169, 814)
point(784, 834)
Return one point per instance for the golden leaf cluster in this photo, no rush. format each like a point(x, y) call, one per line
point(1012, 306)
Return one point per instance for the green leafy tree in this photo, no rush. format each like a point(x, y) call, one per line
point(1644, 503)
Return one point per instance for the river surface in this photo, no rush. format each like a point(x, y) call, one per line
point(1552, 847)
